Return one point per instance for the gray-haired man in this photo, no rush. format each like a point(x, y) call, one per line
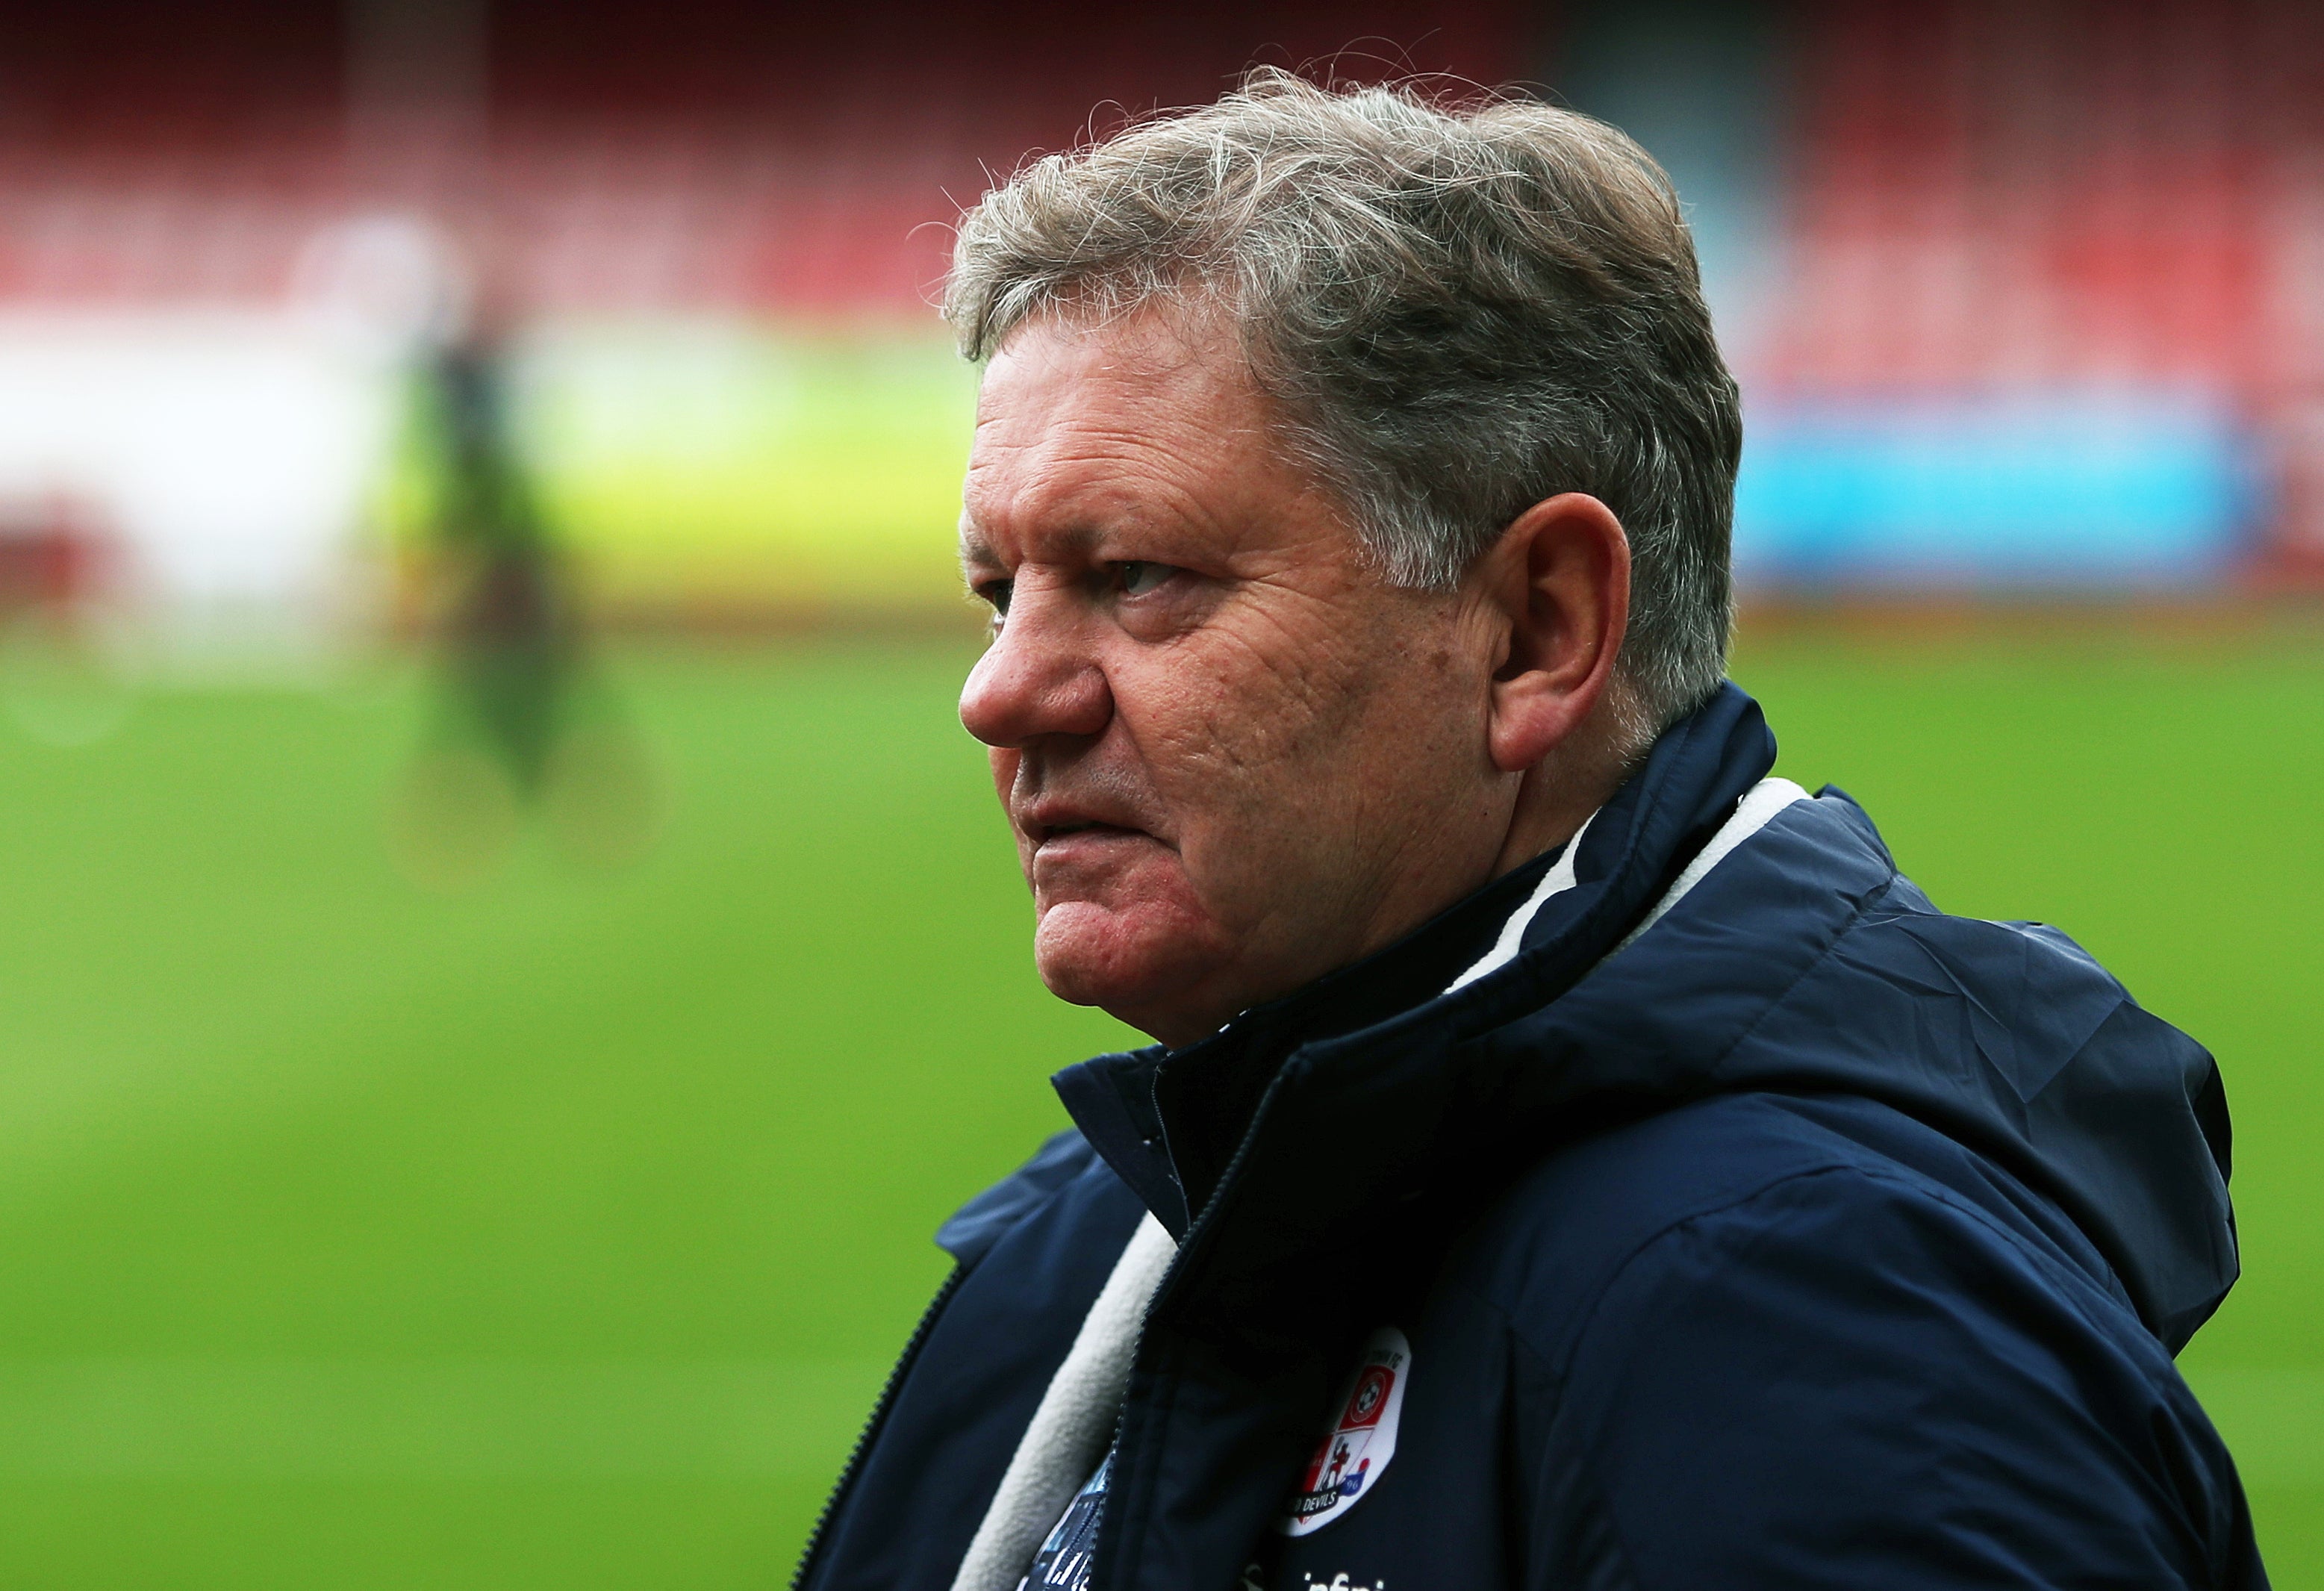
point(1570, 1157)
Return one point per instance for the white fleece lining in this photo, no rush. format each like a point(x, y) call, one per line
point(1753, 812)
point(1555, 882)
point(1757, 808)
point(1075, 1423)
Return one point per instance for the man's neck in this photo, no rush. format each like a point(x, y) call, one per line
point(1556, 798)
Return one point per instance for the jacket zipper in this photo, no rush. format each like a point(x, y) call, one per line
point(871, 1425)
point(1109, 1529)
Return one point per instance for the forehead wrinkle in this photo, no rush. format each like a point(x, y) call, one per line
point(1033, 542)
point(1065, 503)
point(1146, 445)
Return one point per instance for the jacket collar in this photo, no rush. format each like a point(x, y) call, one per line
point(1174, 1123)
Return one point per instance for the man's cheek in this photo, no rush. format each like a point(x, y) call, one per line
point(1213, 713)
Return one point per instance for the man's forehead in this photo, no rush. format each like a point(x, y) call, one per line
point(1082, 430)
point(1072, 482)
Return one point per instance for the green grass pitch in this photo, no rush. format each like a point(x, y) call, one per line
point(555, 1233)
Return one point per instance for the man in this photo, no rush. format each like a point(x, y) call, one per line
point(1569, 1157)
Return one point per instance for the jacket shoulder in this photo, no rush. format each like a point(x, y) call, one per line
point(987, 1218)
point(1561, 1236)
point(1764, 1347)
point(1034, 1251)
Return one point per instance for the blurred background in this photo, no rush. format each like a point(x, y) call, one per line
point(504, 955)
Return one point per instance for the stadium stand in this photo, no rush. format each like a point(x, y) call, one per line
point(1991, 196)
point(2111, 215)
point(1991, 192)
point(622, 156)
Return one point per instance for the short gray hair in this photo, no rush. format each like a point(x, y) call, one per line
point(1462, 307)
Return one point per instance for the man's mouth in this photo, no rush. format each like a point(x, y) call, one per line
point(1041, 834)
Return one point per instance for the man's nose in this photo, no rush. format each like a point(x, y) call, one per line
point(1037, 679)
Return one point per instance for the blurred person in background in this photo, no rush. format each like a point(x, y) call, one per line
point(522, 719)
point(511, 631)
point(1569, 1157)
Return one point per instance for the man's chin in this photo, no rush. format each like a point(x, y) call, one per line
point(1146, 968)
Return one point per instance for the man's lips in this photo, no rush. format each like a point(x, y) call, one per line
point(1047, 834)
point(1048, 822)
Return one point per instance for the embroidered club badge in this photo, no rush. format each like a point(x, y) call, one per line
point(1349, 1461)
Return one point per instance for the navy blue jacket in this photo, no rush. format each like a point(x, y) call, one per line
point(1813, 1238)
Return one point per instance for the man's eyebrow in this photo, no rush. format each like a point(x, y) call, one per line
point(974, 551)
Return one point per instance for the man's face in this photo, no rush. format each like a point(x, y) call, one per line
point(1234, 757)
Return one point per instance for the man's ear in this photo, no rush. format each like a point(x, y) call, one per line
point(1557, 585)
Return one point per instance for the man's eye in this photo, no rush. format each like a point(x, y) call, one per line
point(997, 593)
point(1137, 577)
